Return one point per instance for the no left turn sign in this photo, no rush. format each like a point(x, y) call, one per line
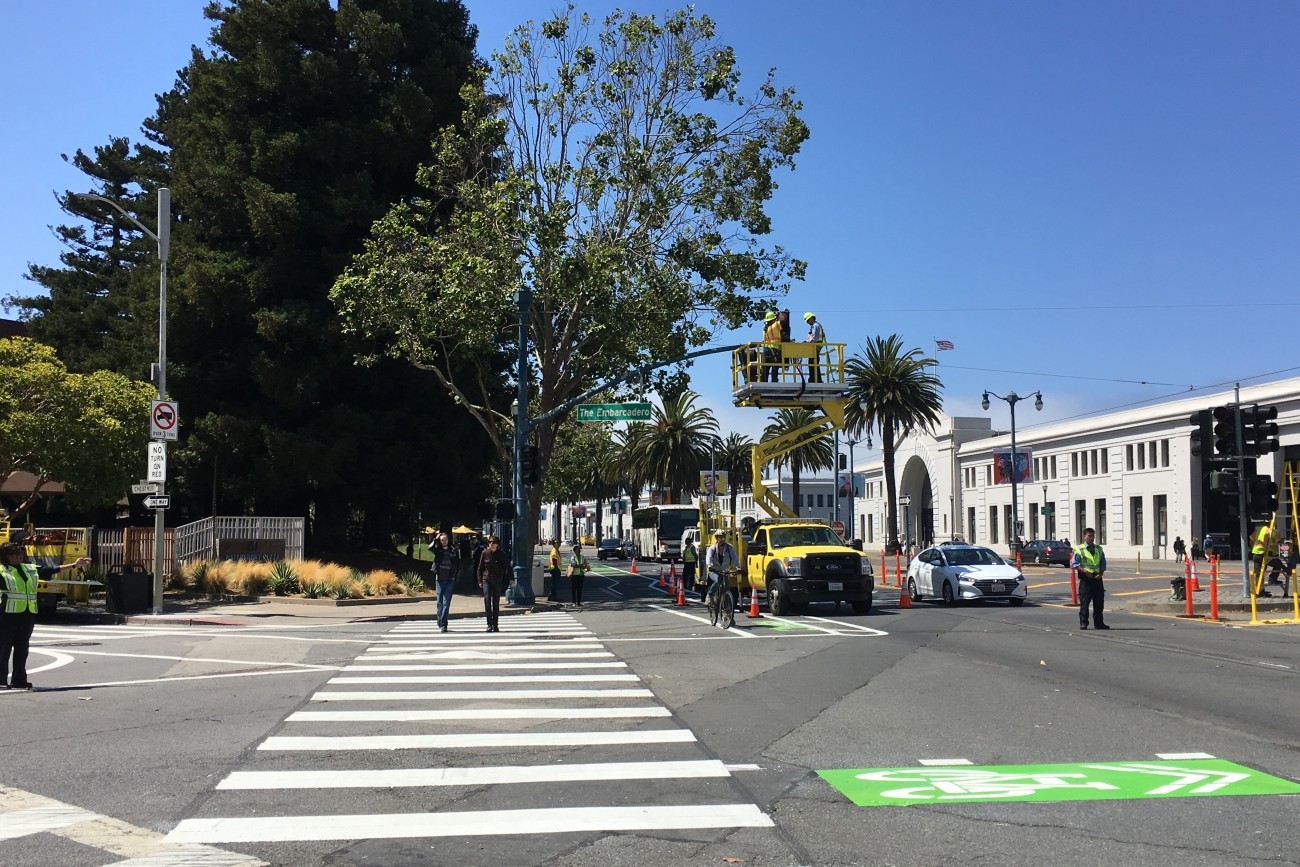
point(163, 417)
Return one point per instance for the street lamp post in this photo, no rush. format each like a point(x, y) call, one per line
point(1012, 399)
point(163, 239)
point(1047, 533)
point(905, 501)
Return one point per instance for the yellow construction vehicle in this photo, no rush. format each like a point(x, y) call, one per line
point(52, 546)
point(792, 561)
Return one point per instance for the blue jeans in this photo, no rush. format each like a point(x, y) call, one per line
point(445, 588)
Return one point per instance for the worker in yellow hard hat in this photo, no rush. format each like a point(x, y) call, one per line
point(771, 347)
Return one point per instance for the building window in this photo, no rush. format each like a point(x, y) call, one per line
point(1151, 448)
point(1105, 460)
point(1094, 461)
point(1135, 520)
point(1033, 521)
point(1074, 463)
point(820, 501)
point(1100, 509)
point(1080, 518)
point(1053, 466)
point(1164, 453)
point(1142, 456)
point(868, 528)
point(1128, 457)
point(970, 525)
point(993, 525)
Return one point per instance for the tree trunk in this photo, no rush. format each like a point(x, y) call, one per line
point(891, 485)
point(794, 487)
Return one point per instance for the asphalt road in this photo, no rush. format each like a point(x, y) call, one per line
point(341, 742)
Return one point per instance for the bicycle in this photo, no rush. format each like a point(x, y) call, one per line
point(721, 599)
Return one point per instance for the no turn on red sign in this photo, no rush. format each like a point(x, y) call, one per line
point(164, 416)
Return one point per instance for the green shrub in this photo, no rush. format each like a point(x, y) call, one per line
point(314, 589)
point(412, 582)
point(284, 581)
point(345, 588)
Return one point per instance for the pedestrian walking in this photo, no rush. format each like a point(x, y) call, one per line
point(18, 581)
point(553, 566)
point(1089, 561)
point(578, 567)
point(817, 336)
point(1207, 545)
point(493, 570)
point(1180, 549)
point(446, 563)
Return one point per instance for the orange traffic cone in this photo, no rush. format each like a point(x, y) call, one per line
point(681, 597)
point(662, 583)
point(753, 601)
point(904, 598)
point(633, 569)
point(672, 568)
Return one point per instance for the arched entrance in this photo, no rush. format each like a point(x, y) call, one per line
point(916, 518)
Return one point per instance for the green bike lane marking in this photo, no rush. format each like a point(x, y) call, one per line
point(1089, 781)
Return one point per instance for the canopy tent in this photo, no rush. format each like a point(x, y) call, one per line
point(462, 530)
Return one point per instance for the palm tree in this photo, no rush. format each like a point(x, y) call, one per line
point(669, 450)
point(890, 391)
point(735, 455)
point(814, 451)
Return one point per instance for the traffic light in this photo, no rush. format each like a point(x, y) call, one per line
point(1258, 430)
point(1203, 435)
point(505, 510)
point(1223, 482)
point(1261, 497)
point(528, 464)
point(1225, 430)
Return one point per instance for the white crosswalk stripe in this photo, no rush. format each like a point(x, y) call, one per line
point(543, 693)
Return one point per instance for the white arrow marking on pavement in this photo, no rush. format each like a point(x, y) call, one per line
point(1185, 777)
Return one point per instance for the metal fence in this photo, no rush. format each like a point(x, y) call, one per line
point(196, 541)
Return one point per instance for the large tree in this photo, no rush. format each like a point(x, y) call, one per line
point(87, 431)
point(303, 124)
point(673, 446)
point(891, 391)
point(620, 176)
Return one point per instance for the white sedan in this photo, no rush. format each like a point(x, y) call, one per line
point(964, 572)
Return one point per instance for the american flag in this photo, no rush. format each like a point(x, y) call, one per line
point(940, 345)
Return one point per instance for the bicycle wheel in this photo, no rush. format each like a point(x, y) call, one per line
point(727, 609)
point(713, 606)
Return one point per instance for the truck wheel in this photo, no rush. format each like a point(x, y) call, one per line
point(948, 597)
point(863, 607)
point(778, 600)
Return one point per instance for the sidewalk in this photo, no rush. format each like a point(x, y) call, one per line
point(201, 612)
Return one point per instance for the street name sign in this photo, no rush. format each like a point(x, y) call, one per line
point(145, 488)
point(613, 412)
point(163, 416)
point(158, 501)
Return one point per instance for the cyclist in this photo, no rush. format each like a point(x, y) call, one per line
point(720, 559)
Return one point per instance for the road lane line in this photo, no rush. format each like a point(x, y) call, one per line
point(474, 776)
point(1182, 757)
point(330, 743)
point(485, 666)
point(857, 626)
point(737, 632)
point(550, 820)
point(491, 678)
point(943, 762)
point(486, 654)
point(477, 714)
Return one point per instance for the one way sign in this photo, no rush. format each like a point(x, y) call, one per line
point(157, 501)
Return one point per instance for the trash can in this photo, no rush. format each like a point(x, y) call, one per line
point(128, 589)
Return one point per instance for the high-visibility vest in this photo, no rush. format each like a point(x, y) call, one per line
point(688, 553)
point(555, 559)
point(1261, 540)
point(772, 333)
point(1089, 561)
point(18, 588)
point(578, 564)
point(817, 334)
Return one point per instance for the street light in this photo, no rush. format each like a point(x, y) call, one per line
point(1047, 534)
point(163, 239)
point(1012, 399)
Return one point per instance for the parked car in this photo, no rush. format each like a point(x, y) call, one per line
point(614, 549)
point(964, 572)
point(1046, 552)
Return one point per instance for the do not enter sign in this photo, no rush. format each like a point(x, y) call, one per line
point(163, 417)
point(838, 527)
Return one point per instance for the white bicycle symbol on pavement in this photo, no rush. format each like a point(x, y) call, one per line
point(953, 784)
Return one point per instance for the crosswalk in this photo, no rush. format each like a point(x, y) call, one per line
point(536, 729)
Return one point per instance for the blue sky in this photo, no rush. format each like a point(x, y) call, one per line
point(1082, 196)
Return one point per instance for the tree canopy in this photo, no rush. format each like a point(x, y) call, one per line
point(621, 176)
point(87, 431)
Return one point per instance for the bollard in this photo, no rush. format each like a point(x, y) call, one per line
point(884, 570)
point(1074, 586)
point(898, 569)
point(1019, 563)
point(1196, 579)
point(1187, 594)
point(1139, 568)
point(1187, 579)
point(1214, 588)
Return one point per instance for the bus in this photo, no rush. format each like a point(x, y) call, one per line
point(657, 530)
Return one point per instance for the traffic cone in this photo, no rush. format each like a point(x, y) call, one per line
point(672, 568)
point(662, 583)
point(633, 569)
point(904, 598)
point(753, 601)
point(681, 596)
